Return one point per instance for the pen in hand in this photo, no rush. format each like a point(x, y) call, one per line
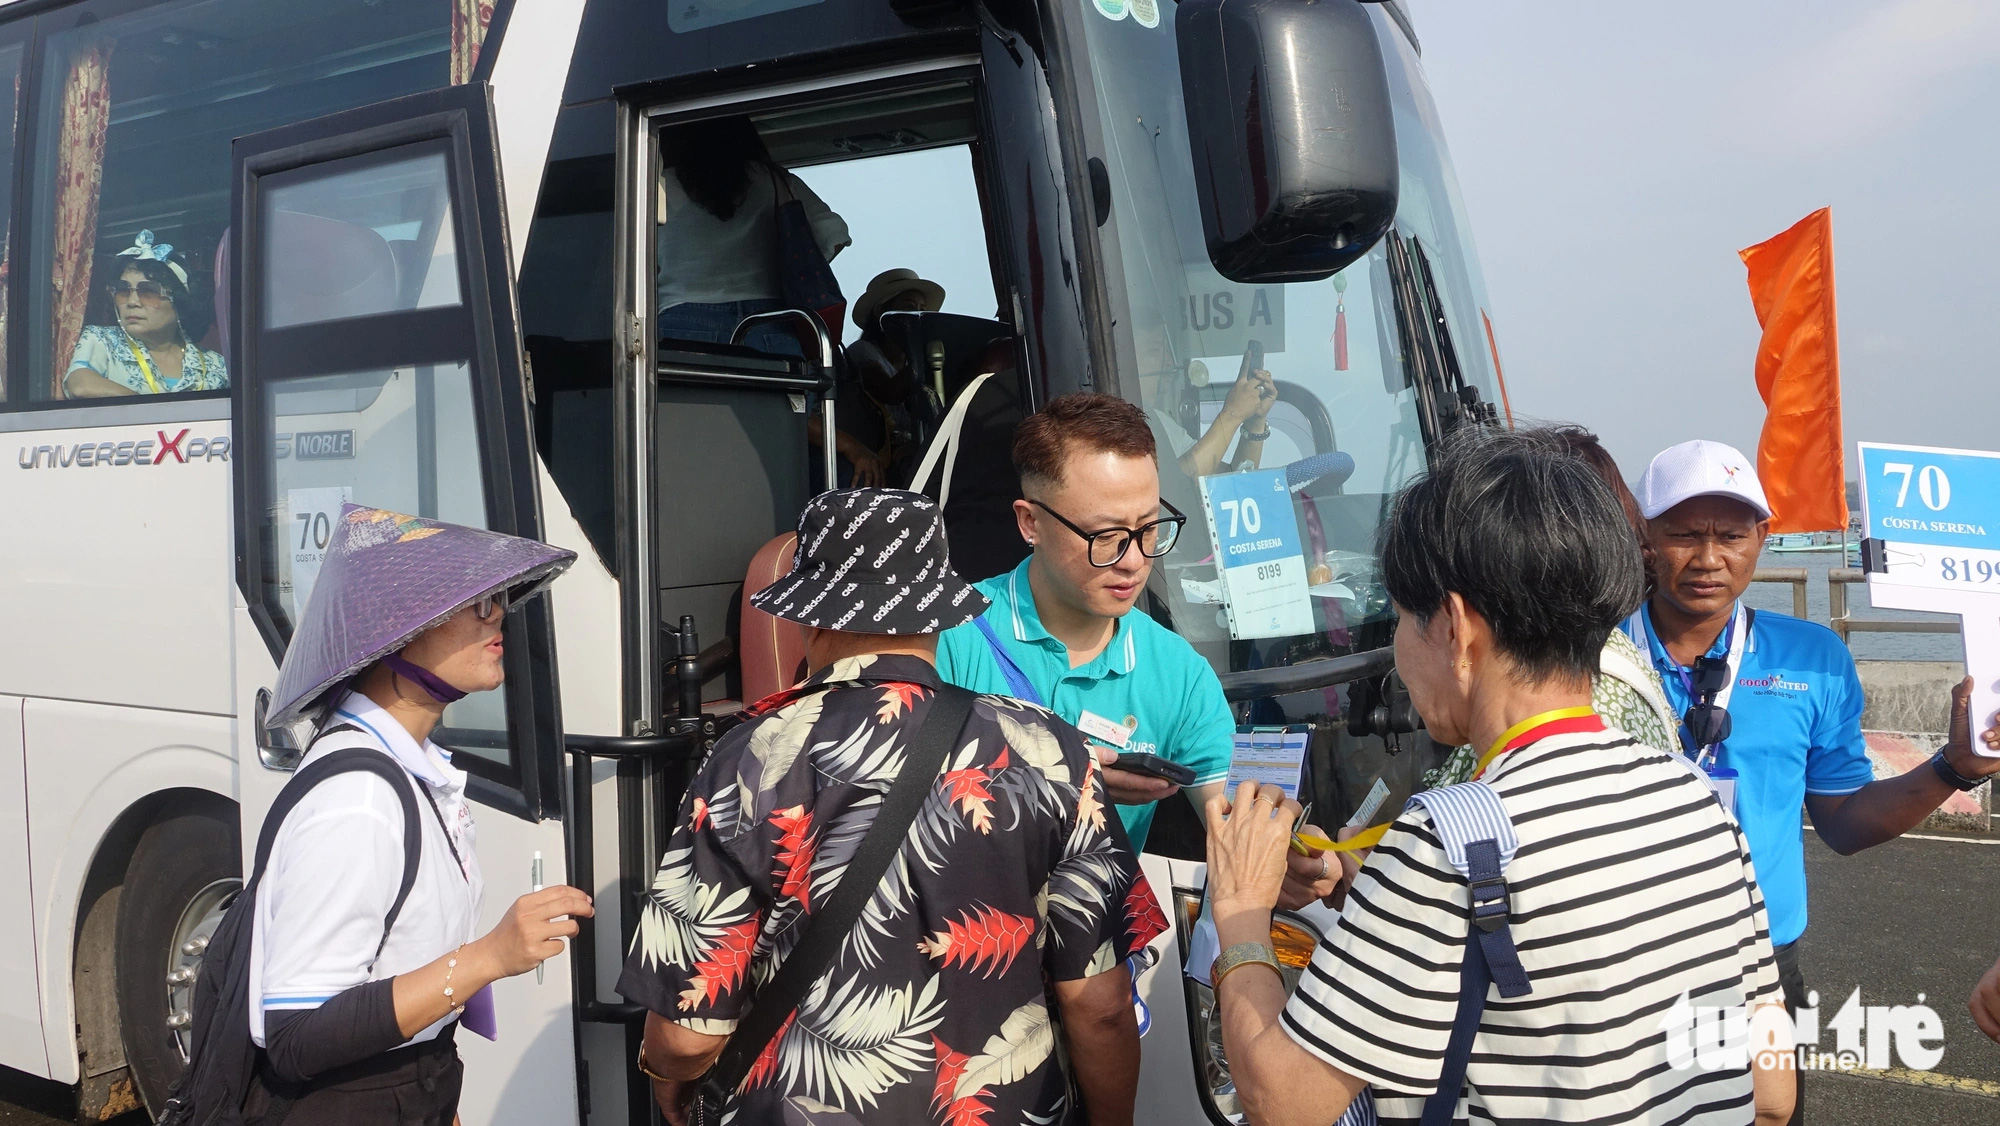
point(535, 877)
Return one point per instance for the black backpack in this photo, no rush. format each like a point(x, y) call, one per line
point(222, 1059)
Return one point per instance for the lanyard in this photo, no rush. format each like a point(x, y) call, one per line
point(1562, 721)
point(1736, 637)
point(145, 369)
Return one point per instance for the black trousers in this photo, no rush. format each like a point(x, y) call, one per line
point(413, 1086)
point(1793, 982)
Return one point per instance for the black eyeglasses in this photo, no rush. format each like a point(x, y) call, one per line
point(485, 608)
point(1108, 545)
point(1707, 722)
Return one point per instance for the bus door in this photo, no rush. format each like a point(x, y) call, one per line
point(722, 427)
point(379, 362)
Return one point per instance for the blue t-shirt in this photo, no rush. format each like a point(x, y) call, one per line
point(1148, 679)
point(1795, 729)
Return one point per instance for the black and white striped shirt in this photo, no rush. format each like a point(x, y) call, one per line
point(1631, 889)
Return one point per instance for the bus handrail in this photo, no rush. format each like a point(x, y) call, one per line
point(683, 742)
point(829, 457)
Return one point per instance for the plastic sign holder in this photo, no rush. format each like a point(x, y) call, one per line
point(1932, 521)
point(1258, 553)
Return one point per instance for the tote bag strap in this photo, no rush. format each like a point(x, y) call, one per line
point(944, 444)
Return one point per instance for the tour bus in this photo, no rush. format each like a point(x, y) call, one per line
point(423, 243)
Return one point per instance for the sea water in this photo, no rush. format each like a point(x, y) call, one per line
point(1865, 646)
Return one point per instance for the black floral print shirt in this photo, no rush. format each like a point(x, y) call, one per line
point(1015, 873)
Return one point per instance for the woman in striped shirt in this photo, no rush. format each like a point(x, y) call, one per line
point(1631, 898)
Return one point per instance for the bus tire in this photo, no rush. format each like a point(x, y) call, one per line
point(184, 871)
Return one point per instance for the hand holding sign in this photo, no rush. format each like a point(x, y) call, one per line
point(1933, 525)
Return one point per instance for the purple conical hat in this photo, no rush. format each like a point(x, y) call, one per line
point(389, 577)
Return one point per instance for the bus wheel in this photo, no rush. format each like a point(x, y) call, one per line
point(182, 878)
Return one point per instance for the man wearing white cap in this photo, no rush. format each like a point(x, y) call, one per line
point(1771, 705)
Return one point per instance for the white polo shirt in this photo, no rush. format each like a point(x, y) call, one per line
point(336, 865)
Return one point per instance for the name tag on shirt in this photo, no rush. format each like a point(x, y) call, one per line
point(1722, 780)
point(1097, 727)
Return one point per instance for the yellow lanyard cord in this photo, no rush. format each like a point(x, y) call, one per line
point(1371, 836)
point(145, 368)
point(1522, 728)
point(1366, 838)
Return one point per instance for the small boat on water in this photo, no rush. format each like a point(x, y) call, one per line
point(1789, 542)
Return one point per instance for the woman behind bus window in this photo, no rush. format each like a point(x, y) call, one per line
point(357, 1025)
point(718, 237)
point(149, 350)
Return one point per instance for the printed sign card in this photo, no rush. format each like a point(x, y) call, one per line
point(1932, 518)
point(1257, 553)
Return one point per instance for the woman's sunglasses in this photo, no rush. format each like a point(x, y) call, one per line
point(485, 607)
point(149, 292)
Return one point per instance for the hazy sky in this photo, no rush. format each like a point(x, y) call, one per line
point(1615, 157)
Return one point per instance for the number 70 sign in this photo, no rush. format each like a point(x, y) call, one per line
point(1932, 518)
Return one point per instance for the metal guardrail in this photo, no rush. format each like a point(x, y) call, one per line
point(1838, 615)
point(1837, 582)
point(1797, 576)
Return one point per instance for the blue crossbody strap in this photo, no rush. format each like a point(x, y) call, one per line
point(1478, 839)
point(1017, 681)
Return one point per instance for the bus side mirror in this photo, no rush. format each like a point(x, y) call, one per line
point(1290, 128)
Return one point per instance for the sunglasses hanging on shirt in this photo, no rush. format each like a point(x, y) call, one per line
point(1707, 722)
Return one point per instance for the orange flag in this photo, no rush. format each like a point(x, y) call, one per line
point(1799, 456)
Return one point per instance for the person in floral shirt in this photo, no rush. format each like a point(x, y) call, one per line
point(986, 982)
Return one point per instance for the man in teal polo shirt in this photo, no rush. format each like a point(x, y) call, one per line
point(1094, 522)
point(1788, 689)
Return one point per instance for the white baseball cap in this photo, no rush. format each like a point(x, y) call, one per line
point(1700, 469)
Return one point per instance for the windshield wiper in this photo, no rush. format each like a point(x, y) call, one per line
point(1469, 405)
point(1445, 401)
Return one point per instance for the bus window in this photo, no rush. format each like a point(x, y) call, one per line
point(136, 114)
point(10, 81)
point(1334, 347)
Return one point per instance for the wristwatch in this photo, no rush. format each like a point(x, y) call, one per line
point(1240, 955)
point(1950, 774)
point(1255, 436)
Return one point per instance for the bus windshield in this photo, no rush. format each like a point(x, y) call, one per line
point(1184, 334)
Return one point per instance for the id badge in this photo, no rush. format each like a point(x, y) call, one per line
point(1722, 780)
point(1111, 731)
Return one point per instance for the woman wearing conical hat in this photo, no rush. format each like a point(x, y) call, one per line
point(357, 1023)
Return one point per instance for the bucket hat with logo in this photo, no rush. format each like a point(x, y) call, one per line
point(872, 561)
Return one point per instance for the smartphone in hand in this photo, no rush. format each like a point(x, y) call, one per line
point(1155, 767)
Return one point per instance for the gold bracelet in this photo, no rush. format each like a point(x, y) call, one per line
point(649, 1072)
point(1240, 955)
point(451, 967)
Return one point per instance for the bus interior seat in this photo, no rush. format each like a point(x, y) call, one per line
point(945, 346)
point(331, 270)
point(772, 651)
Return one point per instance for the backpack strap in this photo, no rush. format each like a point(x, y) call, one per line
point(360, 755)
point(1478, 839)
point(780, 997)
point(1017, 681)
point(1617, 665)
